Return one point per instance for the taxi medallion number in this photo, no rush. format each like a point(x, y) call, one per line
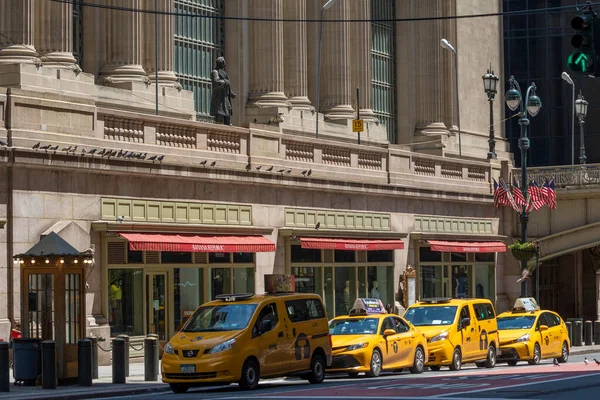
point(358, 125)
point(188, 368)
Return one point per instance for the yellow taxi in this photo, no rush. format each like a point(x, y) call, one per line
point(457, 330)
point(245, 337)
point(530, 334)
point(370, 340)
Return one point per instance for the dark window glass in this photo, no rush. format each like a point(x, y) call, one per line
point(219, 258)
point(243, 257)
point(304, 310)
point(380, 256)
point(135, 257)
point(171, 257)
point(305, 255)
point(267, 320)
point(401, 326)
point(484, 311)
point(342, 256)
point(425, 254)
point(484, 257)
point(387, 324)
point(458, 257)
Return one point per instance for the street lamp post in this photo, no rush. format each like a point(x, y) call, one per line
point(326, 6)
point(446, 45)
point(533, 104)
point(581, 110)
point(490, 83)
point(568, 79)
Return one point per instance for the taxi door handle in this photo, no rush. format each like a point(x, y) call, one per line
point(472, 329)
point(294, 332)
point(280, 334)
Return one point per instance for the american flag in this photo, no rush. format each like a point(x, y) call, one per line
point(510, 200)
point(518, 194)
point(536, 197)
point(499, 195)
point(551, 197)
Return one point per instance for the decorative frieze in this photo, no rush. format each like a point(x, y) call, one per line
point(296, 151)
point(176, 136)
point(224, 142)
point(440, 224)
point(331, 219)
point(369, 160)
point(336, 156)
point(123, 130)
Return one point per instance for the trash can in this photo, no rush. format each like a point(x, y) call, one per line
point(27, 359)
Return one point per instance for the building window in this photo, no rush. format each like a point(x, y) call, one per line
point(125, 301)
point(198, 43)
point(384, 69)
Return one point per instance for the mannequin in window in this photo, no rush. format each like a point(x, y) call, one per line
point(375, 291)
point(347, 296)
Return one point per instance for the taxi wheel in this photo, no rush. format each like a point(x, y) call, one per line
point(179, 387)
point(250, 375)
point(419, 363)
point(537, 355)
point(435, 368)
point(456, 360)
point(317, 369)
point(564, 353)
point(490, 362)
point(512, 363)
point(376, 364)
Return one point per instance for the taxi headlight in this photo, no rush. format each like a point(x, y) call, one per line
point(357, 346)
point(169, 349)
point(223, 346)
point(441, 336)
point(524, 338)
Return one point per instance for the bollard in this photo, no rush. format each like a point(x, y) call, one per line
point(570, 331)
point(596, 332)
point(578, 334)
point(587, 333)
point(118, 360)
point(48, 364)
point(84, 362)
point(94, 340)
point(126, 337)
point(150, 359)
point(4, 368)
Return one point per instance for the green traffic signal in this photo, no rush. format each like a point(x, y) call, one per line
point(581, 62)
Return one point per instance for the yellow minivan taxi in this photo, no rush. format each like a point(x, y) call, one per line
point(530, 334)
point(370, 340)
point(457, 330)
point(244, 337)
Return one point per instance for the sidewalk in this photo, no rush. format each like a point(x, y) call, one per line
point(101, 387)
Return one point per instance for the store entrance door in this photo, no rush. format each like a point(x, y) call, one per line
point(156, 305)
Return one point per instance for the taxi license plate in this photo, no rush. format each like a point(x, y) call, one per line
point(499, 353)
point(188, 369)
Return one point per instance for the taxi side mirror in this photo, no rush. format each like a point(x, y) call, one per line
point(389, 332)
point(465, 322)
point(543, 328)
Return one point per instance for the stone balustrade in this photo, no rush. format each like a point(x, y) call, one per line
point(565, 176)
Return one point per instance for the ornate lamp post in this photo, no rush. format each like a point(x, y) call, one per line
point(490, 83)
point(581, 111)
point(534, 104)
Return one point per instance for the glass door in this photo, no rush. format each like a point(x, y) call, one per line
point(156, 311)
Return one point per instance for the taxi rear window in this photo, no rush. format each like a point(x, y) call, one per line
point(304, 309)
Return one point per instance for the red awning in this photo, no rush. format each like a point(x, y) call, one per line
point(350, 244)
point(198, 244)
point(467, 247)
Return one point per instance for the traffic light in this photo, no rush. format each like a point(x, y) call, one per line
point(583, 60)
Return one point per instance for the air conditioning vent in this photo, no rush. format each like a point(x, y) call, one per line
point(328, 256)
point(200, 258)
point(362, 256)
point(152, 257)
point(117, 252)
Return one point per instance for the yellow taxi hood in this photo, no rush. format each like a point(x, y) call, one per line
point(347, 340)
point(509, 335)
point(194, 340)
point(432, 330)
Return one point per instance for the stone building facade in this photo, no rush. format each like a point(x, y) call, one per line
point(265, 195)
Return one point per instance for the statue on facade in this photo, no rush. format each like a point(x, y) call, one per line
point(220, 102)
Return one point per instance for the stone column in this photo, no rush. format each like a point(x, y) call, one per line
point(295, 61)
point(361, 57)
point(266, 81)
point(54, 33)
point(166, 43)
point(17, 28)
point(122, 60)
point(336, 76)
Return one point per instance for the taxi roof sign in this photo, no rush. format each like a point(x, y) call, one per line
point(526, 304)
point(364, 306)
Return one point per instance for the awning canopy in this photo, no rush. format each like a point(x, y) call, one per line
point(467, 247)
point(350, 244)
point(198, 244)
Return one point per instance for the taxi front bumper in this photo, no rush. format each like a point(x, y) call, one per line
point(440, 353)
point(221, 369)
point(514, 352)
point(351, 361)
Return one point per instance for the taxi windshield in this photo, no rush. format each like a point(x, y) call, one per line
point(430, 315)
point(354, 326)
point(516, 322)
point(227, 317)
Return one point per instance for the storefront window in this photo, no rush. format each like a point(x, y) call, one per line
point(484, 281)
point(381, 284)
point(243, 280)
point(344, 256)
point(345, 289)
point(308, 279)
point(432, 282)
point(300, 255)
point(461, 281)
point(243, 258)
point(328, 287)
point(220, 281)
point(425, 254)
point(172, 257)
point(135, 257)
point(126, 302)
point(380, 256)
point(188, 293)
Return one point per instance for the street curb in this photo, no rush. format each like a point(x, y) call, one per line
point(581, 350)
point(91, 394)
